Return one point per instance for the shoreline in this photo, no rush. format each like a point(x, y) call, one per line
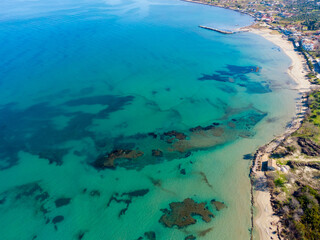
point(210, 4)
point(265, 222)
point(297, 70)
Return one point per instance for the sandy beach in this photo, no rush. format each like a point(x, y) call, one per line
point(265, 215)
point(298, 69)
point(265, 222)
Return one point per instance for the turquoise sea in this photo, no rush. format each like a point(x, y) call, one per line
point(111, 110)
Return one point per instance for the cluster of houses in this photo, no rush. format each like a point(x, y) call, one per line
point(271, 12)
point(308, 42)
point(265, 17)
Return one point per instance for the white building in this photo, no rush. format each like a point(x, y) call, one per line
point(307, 45)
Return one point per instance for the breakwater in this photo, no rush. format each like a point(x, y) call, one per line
point(217, 30)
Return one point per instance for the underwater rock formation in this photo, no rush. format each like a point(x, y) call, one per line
point(181, 213)
point(150, 235)
point(126, 198)
point(53, 155)
point(174, 135)
point(190, 237)
point(109, 160)
point(62, 202)
point(142, 149)
point(157, 153)
point(218, 205)
point(57, 219)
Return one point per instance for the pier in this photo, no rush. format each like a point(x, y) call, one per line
point(217, 30)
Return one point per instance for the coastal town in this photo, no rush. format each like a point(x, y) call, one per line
point(297, 21)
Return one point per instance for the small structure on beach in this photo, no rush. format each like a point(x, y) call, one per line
point(272, 165)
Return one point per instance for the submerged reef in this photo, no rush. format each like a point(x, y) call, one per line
point(237, 75)
point(218, 205)
point(57, 219)
point(108, 161)
point(181, 213)
point(157, 153)
point(127, 198)
point(190, 237)
point(33, 194)
point(173, 135)
point(40, 136)
point(62, 202)
point(32, 129)
point(177, 144)
point(150, 235)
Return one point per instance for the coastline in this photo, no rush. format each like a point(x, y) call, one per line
point(297, 70)
point(264, 221)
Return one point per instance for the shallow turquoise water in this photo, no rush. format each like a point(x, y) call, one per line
point(79, 79)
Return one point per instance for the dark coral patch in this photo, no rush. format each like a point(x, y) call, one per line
point(181, 213)
point(31, 129)
point(31, 190)
point(80, 235)
point(199, 128)
point(234, 69)
point(174, 135)
point(157, 153)
point(57, 219)
point(53, 155)
point(102, 100)
point(152, 135)
point(62, 202)
point(136, 193)
point(215, 77)
point(177, 144)
point(42, 196)
point(126, 198)
point(150, 235)
point(3, 200)
point(108, 161)
point(183, 171)
point(238, 76)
